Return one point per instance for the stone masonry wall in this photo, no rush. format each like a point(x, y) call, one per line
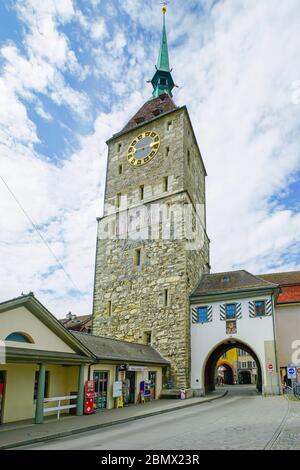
point(129, 300)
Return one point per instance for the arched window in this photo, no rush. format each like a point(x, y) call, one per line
point(19, 337)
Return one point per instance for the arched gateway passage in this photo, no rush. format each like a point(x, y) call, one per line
point(227, 373)
point(211, 363)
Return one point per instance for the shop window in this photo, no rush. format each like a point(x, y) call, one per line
point(101, 388)
point(36, 382)
point(260, 308)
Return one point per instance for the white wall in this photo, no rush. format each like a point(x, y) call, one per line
point(23, 321)
point(253, 332)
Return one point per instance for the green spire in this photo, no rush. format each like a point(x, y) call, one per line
point(162, 81)
point(163, 57)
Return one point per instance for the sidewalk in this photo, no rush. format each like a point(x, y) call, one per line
point(15, 435)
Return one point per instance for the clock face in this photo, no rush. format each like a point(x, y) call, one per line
point(143, 148)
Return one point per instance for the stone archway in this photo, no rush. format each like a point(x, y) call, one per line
point(228, 373)
point(220, 349)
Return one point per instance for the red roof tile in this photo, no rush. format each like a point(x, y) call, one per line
point(151, 109)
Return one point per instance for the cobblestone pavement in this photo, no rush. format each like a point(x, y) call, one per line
point(241, 420)
point(289, 437)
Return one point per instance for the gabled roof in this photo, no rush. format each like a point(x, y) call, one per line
point(122, 351)
point(231, 281)
point(289, 283)
point(75, 323)
point(42, 313)
point(283, 279)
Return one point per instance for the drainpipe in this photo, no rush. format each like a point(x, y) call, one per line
point(275, 344)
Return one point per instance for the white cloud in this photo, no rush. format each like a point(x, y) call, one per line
point(98, 29)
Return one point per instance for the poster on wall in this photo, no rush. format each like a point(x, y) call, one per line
point(117, 389)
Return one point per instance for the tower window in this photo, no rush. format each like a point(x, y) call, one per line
point(148, 337)
point(120, 169)
point(166, 183)
point(166, 298)
point(109, 308)
point(167, 151)
point(188, 157)
point(169, 125)
point(119, 148)
point(163, 81)
point(141, 192)
point(118, 202)
point(138, 257)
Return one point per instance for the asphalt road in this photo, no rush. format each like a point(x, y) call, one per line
point(241, 420)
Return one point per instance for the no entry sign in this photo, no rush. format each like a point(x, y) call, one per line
point(270, 367)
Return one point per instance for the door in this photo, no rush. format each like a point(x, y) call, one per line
point(152, 379)
point(130, 375)
point(2, 390)
point(101, 386)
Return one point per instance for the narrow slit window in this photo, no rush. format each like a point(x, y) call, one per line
point(138, 257)
point(166, 184)
point(119, 195)
point(120, 169)
point(142, 192)
point(166, 297)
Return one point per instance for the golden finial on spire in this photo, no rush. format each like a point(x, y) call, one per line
point(164, 8)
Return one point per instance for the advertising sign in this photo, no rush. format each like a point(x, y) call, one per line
point(89, 397)
point(117, 389)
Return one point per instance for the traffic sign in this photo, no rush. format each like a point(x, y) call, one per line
point(298, 370)
point(291, 372)
point(270, 367)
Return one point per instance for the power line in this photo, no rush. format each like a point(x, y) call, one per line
point(40, 234)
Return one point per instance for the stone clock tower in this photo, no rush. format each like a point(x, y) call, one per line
point(152, 245)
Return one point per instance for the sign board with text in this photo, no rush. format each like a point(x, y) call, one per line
point(117, 389)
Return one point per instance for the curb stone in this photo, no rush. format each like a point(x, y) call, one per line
point(93, 427)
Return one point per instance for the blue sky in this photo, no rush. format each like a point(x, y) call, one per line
point(73, 72)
